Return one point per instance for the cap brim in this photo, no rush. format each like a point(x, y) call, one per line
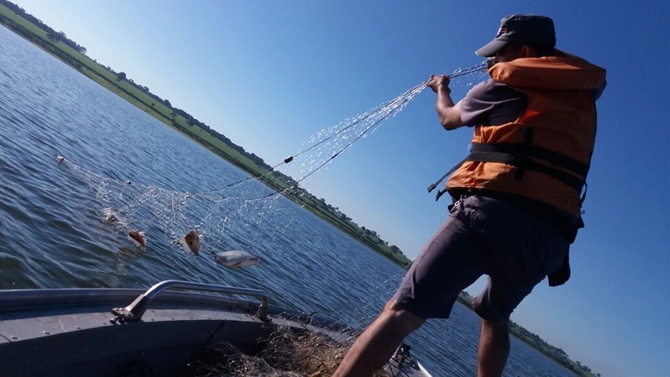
point(491, 48)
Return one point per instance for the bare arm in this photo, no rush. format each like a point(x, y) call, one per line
point(448, 113)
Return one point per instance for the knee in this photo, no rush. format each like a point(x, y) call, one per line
point(393, 306)
point(395, 312)
point(497, 327)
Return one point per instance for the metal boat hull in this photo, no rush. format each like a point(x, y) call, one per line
point(73, 332)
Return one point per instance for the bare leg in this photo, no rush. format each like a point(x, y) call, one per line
point(493, 348)
point(375, 346)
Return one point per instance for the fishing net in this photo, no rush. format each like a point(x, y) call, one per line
point(242, 206)
point(284, 353)
point(133, 205)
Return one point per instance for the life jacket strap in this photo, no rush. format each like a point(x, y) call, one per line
point(522, 155)
point(434, 184)
point(536, 152)
point(519, 155)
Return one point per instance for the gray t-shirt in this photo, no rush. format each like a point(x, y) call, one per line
point(492, 103)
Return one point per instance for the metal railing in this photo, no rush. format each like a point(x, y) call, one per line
point(136, 309)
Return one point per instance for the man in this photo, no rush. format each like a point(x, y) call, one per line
point(516, 198)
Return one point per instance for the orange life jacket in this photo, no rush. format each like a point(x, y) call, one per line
point(545, 154)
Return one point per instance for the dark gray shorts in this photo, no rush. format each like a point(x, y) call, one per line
point(482, 236)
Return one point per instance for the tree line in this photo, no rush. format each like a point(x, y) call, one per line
point(52, 34)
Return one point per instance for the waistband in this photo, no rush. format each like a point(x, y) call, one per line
point(565, 224)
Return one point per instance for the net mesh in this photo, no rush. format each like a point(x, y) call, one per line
point(130, 205)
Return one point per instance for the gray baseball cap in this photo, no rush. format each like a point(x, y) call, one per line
point(527, 28)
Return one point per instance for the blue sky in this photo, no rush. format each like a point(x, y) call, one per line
point(270, 74)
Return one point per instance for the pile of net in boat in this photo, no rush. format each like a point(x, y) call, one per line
point(284, 353)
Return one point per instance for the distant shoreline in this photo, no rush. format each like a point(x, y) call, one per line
point(161, 109)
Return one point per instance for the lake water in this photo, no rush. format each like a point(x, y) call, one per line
point(53, 233)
